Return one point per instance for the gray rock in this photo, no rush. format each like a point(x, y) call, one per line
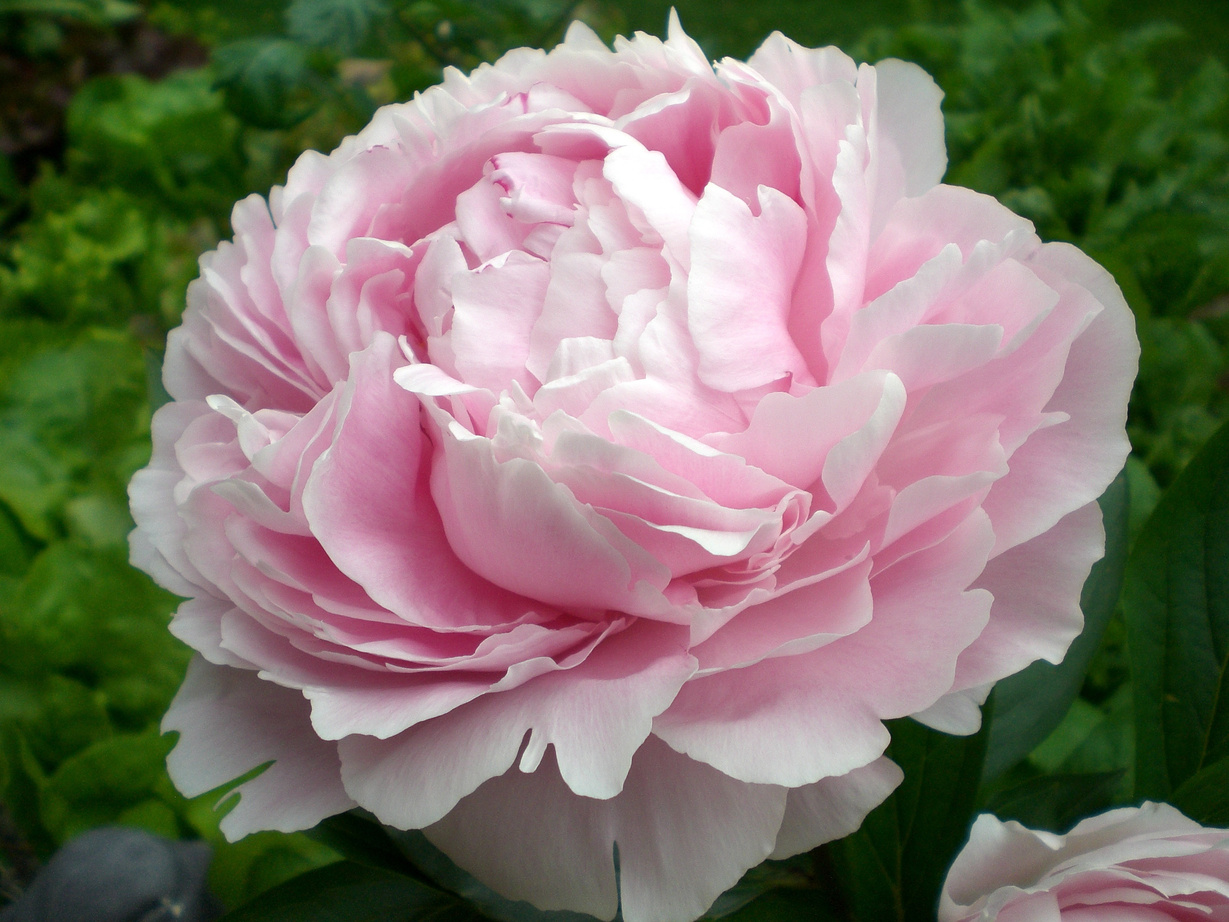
point(116, 874)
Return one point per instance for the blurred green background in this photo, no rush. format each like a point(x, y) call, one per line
point(128, 129)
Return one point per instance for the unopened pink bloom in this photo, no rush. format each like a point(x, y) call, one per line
point(598, 448)
point(1135, 864)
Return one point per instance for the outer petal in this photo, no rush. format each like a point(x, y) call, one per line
point(910, 126)
point(1066, 466)
point(230, 722)
point(834, 807)
point(684, 833)
point(1033, 618)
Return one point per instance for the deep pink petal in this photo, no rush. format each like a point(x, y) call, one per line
point(368, 503)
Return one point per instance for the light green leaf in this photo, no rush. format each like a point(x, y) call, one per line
point(97, 785)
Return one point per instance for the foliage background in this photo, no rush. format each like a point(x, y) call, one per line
point(127, 131)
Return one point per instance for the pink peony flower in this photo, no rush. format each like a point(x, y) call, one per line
point(1136, 863)
point(597, 449)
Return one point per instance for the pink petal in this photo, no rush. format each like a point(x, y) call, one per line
point(660, 205)
point(512, 525)
point(790, 436)
point(793, 69)
point(909, 154)
point(494, 311)
point(749, 155)
point(820, 713)
point(595, 715)
point(740, 287)
point(367, 502)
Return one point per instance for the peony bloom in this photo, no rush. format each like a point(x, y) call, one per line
point(1136, 863)
point(594, 451)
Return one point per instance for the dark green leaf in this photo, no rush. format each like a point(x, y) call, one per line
point(14, 546)
point(266, 82)
point(1055, 802)
point(350, 892)
point(20, 795)
point(791, 874)
point(894, 865)
point(338, 24)
point(785, 906)
point(440, 868)
point(1204, 797)
point(362, 840)
point(1030, 704)
point(1176, 600)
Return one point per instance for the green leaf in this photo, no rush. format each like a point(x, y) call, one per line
point(266, 81)
point(1145, 494)
point(34, 482)
point(1029, 705)
point(350, 892)
point(1109, 745)
point(76, 261)
point(94, 12)
point(1176, 601)
point(169, 140)
point(1056, 802)
point(241, 871)
point(20, 795)
point(95, 786)
point(57, 715)
point(1078, 724)
point(771, 877)
point(14, 547)
point(1204, 797)
point(894, 865)
point(86, 612)
point(362, 840)
point(785, 906)
point(338, 24)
